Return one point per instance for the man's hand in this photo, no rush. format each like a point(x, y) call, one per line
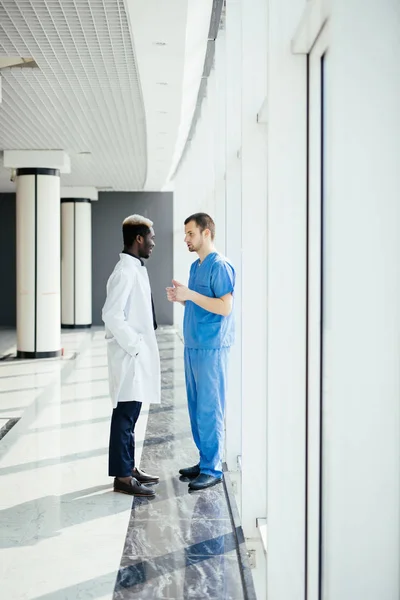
point(171, 295)
point(218, 306)
point(182, 293)
point(178, 293)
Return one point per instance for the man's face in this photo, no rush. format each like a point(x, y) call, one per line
point(146, 244)
point(194, 238)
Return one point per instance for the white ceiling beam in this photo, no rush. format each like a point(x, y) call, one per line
point(73, 191)
point(36, 159)
point(170, 52)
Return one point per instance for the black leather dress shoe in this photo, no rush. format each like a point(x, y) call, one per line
point(204, 481)
point(190, 472)
point(133, 488)
point(143, 477)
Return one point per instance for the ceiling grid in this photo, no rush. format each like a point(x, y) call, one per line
point(84, 97)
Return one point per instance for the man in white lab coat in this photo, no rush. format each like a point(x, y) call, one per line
point(132, 351)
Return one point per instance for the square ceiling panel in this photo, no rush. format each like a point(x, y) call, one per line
point(83, 97)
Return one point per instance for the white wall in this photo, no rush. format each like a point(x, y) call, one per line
point(286, 307)
point(359, 547)
point(233, 223)
point(197, 184)
point(224, 173)
point(254, 265)
point(362, 448)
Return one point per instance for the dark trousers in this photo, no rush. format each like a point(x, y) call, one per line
point(121, 457)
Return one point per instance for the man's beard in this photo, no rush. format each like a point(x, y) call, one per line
point(193, 248)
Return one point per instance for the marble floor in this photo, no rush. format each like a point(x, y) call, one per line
point(64, 534)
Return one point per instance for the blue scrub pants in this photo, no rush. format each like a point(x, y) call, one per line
point(206, 374)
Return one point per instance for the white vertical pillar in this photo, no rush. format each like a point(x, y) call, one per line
point(286, 309)
point(76, 263)
point(233, 237)
point(38, 263)
point(219, 128)
point(254, 265)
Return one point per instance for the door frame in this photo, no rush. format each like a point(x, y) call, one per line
point(315, 317)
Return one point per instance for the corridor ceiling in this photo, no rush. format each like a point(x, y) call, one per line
point(113, 83)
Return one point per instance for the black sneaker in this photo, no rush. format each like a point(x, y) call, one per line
point(190, 472)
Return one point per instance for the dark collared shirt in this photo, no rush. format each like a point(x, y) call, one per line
point(152, 301)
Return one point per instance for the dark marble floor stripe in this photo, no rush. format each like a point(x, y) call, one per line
point(179, 545)
point(7, 427)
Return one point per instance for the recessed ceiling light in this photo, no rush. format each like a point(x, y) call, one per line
point(162, 112)
point(86, 153)
point(162, 83)
point(159, 43)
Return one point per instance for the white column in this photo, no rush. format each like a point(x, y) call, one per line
point(219, 127)
point(233, 236)
point(76, 263)
point(38, 263)
point(286, 308)
point(254, 266)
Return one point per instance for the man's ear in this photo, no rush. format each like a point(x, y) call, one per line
point(139, 239)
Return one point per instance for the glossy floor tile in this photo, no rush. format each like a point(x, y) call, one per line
point(181, 544)
point(61, 524)
point(64, 534)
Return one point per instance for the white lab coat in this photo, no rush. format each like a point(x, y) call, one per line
point(132, 350)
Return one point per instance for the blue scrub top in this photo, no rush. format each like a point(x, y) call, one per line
point(214, 277)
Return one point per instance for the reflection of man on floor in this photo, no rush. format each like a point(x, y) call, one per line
point(210, 556)
point(208, 335)
point(133, 357)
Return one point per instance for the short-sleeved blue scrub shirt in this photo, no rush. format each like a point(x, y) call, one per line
point(214, 277)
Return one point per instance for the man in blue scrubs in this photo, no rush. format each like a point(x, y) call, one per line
point(208, 333)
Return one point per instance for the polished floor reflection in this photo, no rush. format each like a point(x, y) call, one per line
point(62, 529)
point(181, 544)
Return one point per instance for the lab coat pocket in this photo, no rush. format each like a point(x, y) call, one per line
point(122, 367)
point(128, 373)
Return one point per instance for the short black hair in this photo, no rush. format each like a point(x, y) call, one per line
point(203, 221)
point(130, 231)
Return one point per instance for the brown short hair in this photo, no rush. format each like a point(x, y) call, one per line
point(203, 221)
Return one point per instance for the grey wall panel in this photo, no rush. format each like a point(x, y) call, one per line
point(107, 216)
point(8, 312)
